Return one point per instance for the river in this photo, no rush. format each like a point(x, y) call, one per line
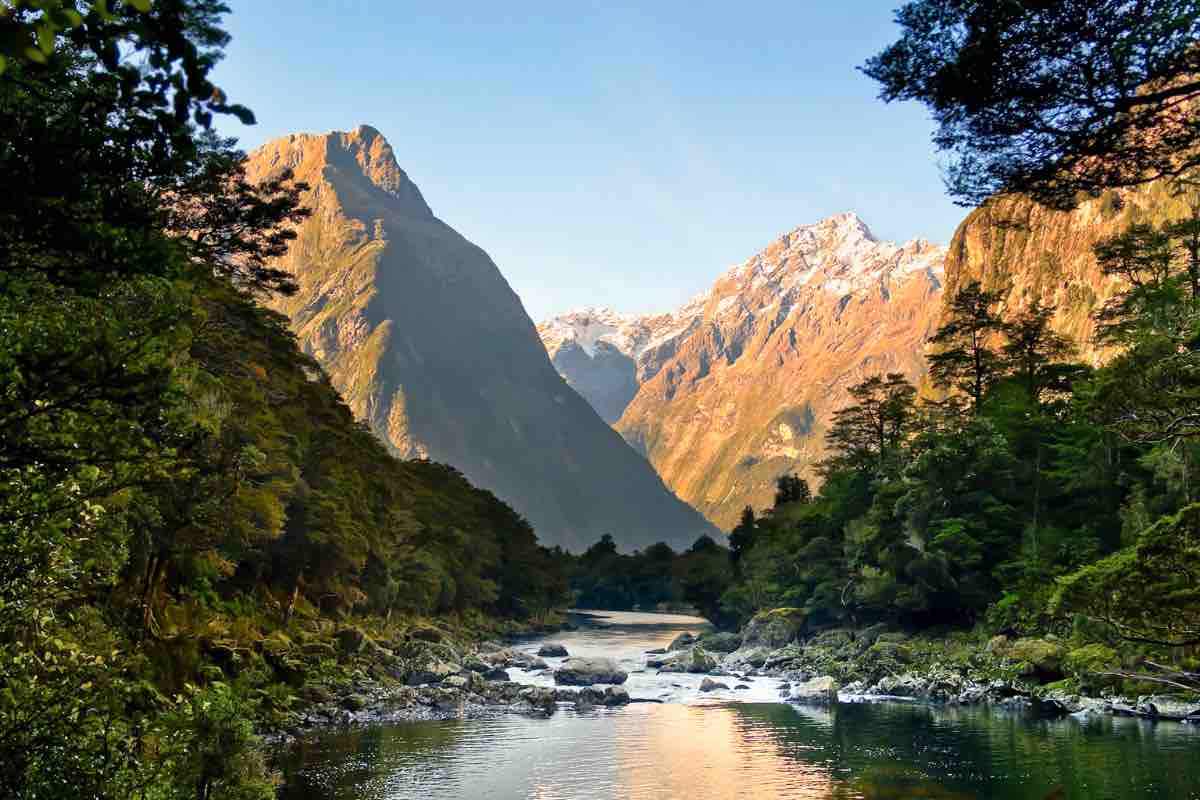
point(741, 744)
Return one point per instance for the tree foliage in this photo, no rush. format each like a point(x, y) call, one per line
point(182, 491)
point(1050, 99)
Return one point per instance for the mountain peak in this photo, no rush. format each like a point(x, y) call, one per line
point(359, 162)
point(848, 223)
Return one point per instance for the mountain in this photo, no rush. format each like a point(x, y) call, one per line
point(1026, 251)
point(597, 350)
point(432, 349)
point(738, 386)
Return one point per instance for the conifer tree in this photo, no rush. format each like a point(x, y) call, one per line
point(963, 357)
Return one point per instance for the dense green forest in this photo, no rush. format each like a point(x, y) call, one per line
point(1009, 493)
point(189, 515)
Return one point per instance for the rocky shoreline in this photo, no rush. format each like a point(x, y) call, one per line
point(426, 676)
point(877, 664)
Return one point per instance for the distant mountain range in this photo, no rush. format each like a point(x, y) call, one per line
point(737, 386)
point(432, 349)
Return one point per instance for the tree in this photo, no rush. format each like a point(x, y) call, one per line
point(1143, 259)
point(741, 538)
point(1148, 592)
point(1034, 353)
point(791, 489)
point(705, 576)
point(1050, 98)
point(1150, 392)
point(962, 358)
point(867, 435)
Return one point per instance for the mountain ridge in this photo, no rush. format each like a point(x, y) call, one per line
point(739, 384)
point(430, 347)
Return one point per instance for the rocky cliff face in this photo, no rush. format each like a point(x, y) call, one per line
point(738, 386)
point(1025, 251)
point(431, 348)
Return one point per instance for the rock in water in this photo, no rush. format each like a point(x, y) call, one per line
point(709, 685)
point(579, 671)
point(818, 691)
point(552, 650)
point(681, 641)
point(696, 660)
point(429, 345)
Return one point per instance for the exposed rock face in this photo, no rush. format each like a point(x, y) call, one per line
point(428, 344)
point(738, 386)
point(1026, 252)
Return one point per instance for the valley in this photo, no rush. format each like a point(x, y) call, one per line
point(297, 501)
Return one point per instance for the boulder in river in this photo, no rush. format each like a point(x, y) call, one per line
point(508, 657)
point(552, 650)
point(773, 629)
point(1038, 658)
point(696, 660)
point(431, 672)
point(610, 696)
point(709, 685)
point(542, 699)
point(906, 685)
point(818, 691)
point(720, 642)
point(578, 671)
point(681, 641)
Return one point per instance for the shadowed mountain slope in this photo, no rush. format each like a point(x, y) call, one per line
point(433, 350)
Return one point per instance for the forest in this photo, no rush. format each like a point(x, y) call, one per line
point(189, 515)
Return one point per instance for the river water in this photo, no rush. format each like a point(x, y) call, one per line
point(741, 744)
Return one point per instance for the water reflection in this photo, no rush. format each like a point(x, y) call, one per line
point(753, 751)
point(695, 748)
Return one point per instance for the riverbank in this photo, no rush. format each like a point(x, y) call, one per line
point(1038, 673)
point(429, 672)
point(709, 743)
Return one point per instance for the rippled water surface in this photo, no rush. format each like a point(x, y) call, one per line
point(698, 747)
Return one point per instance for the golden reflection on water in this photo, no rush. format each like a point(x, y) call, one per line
point(700, 751)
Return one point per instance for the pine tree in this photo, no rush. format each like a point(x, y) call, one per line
point(1035, 354)
point(741, 538)
point(963, 358)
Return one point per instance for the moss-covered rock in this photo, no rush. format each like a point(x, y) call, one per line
point(1039, 658)
point(696, 660)
point(720, 642)
point(774, 628)
point(890, 652)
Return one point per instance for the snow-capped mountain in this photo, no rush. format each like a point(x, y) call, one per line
point(737, 386)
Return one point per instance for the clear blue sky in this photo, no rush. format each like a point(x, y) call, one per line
point(610, 153)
